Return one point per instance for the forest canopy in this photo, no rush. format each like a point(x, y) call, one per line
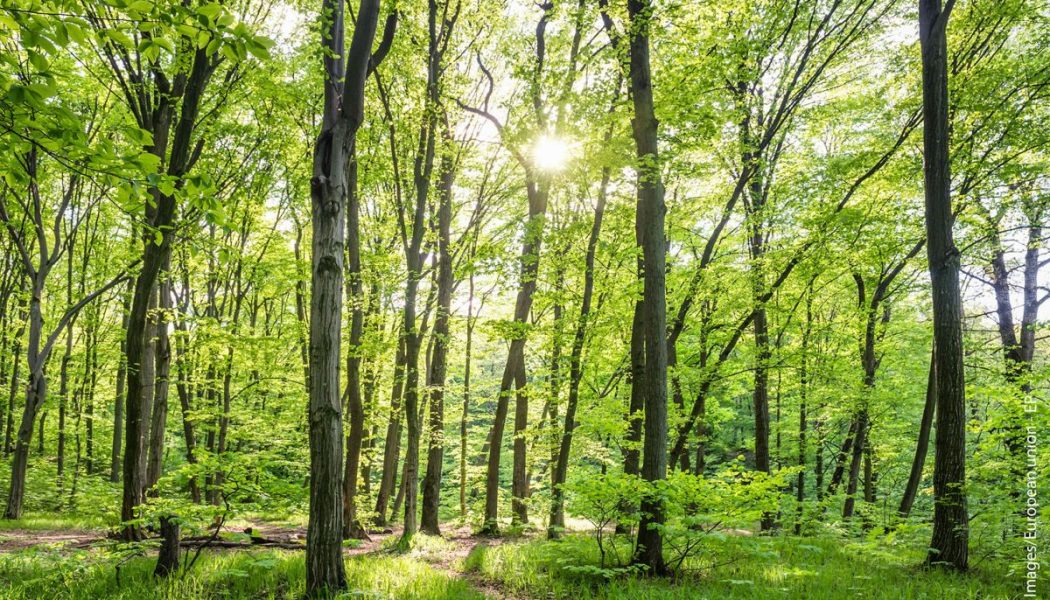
point(495, 298)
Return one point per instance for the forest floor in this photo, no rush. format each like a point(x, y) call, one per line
point(77, 561)
point(445, 556)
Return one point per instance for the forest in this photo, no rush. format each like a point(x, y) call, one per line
point(524, 299)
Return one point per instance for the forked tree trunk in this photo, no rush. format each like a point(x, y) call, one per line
point(343, 114)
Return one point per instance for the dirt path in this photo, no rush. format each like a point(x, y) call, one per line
point(453, 563)
point(13, 540)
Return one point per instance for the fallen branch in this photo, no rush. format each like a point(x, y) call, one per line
point(201, 543)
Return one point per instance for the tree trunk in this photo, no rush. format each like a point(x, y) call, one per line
point(439, 359)
point(923, 443)
point(36, 391)
point(162, 361)
point(118, 403)
point(800, 489)
point(168, 555)
point(842, 456)
point(352, 528)
point(636, 409)
point(557, 516)
point(91, 382)
point(149, 382)
point(63, 395)
point(650, 227)
point(13, 393)
point(466, 402)
point(343, 114)
point(528, 266)
point(519, 477)
point(859, 443)
point(36, 394)
point(392, 442)
point(949, 544)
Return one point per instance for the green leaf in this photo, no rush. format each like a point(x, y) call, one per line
point(120, 37)
point(8, 22)
point(210, 10)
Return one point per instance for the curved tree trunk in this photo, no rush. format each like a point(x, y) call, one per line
point(923, 443)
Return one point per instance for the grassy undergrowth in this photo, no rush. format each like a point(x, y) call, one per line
point(735, 567)
point(51, 522)
point(262, 575)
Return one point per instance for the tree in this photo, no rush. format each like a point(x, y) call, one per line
point(950, 544)
point(345, 73)
point(38, 264)
point(650, 228)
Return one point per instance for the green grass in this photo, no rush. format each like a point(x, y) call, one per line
point(741, 567)
point(45, 522)
point(259, 575)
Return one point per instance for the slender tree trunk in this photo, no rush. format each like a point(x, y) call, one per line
point(650, 219)
point(118, 403)
point(869, 475)
point(818, 459)
point(13, 391)
point(352, 528)
point(560, 472)
point(439, 359)
point(343, 113)
point(800, 490)
point(392, 442)
point(162, 360)
point(63, 395)
point(149, 383)
point(843, 455)
point(422, 170)
point(36, 393)
point(182, 386)
point(859, 443)
point(756, 215)
point(410, 480)
point(923, 443)
point(465, 418)
point(519, 477)
point(91, 377)
point(300, 308)
point(636, 407)
point(949, 545)
point(399, 499)
point(528, 266)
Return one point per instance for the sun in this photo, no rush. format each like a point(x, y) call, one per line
point(551, 154)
